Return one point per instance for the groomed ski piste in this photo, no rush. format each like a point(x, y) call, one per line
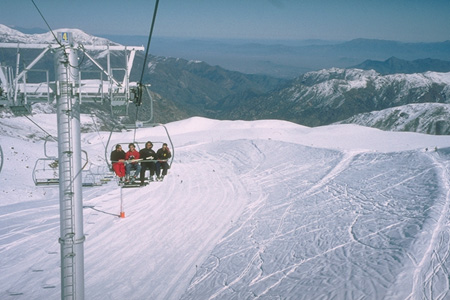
point(249, 210)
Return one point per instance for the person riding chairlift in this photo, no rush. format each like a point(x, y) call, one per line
point(162, 155)
point(149, 156)
point(131, 156)
point(117, 160)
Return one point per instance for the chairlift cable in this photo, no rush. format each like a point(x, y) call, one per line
point(148, 42)
point(56, 39)
point(140, 85)
point(54, 36)
point(48, 134)
point(98, 131)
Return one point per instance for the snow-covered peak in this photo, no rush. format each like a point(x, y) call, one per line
point(9, 31)
point(338, 73)
point(9, 35)
point(335, 81)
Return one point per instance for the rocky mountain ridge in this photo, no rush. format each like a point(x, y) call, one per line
point(332, 95)
point(430, 118)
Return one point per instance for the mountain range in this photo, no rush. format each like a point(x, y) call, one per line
point(286, 58)
point(394, 65)
point(332, 95)
point(184, 88)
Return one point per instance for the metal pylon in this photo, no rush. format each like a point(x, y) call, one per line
point(70, 178)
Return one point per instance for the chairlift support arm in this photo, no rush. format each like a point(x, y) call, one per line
point(31, 65)
point(101, 68)
point(10, 83)
point(130, 61)
point(87, 47)
point(111, 48)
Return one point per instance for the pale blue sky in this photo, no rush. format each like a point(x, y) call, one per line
point(401, 20)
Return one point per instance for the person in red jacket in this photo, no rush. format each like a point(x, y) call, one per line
point(131, 156)
point(117, 160)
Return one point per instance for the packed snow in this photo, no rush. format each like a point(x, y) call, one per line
point(249, 210)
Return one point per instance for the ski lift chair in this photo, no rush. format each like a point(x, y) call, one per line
point(46, 171)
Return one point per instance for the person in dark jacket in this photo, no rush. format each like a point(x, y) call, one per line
point(162, 155)
point(117, 160)
point(148, 156)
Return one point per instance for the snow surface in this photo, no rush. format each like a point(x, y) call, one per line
point(250, 210)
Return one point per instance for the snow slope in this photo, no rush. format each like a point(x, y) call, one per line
point(431, 118)
point(250, 210)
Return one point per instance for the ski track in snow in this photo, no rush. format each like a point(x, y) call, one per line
point(433, 263)
point(278, 232)
point(341, 166)
point(182, 201)
point(252, 281)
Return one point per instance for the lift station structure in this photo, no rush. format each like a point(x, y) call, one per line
point(69, 92)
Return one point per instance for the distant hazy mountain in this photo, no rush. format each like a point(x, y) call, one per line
point(284, 59)
point(33, 30)
point(382, 49)
point(395, 65)
point(289, 59)
point(431, 118)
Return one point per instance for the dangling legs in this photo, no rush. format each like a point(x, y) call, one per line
point(165, 167)
point(158, 169)
point(152, 167)
point(119, 169)
point(144, 167)
point(137, 167)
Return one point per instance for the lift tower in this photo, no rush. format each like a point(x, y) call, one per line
point(70, 92)
point(70, 179)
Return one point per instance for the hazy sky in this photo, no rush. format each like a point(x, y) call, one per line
point(401, 20)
